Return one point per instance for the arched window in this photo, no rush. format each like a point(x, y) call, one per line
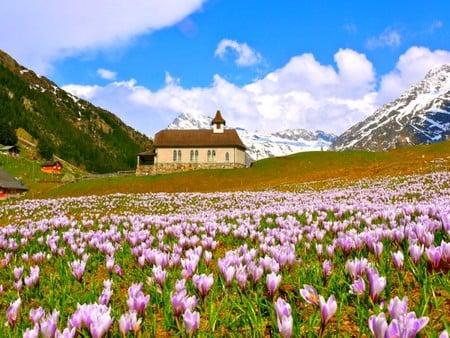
point(174, 156)
point(192, 156)
point(196, 156)
point(209, 156)
point(227, 157)
point(179, 156)
point(213, 155)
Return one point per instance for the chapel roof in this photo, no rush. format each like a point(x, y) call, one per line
point(200, 138)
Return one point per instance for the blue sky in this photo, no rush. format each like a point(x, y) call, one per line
point(267, 65)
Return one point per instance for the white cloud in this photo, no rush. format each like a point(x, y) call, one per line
point(435, 26)
point(106, 74)
point(83, 91)
point(55, 29)
point(245, 55)
point(389, 38)
point(302, 94)
point(351, 28)
point(411, 67)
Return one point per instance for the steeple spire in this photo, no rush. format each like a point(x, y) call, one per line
point(218, 123)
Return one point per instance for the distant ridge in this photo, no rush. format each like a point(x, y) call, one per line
point(264, 145)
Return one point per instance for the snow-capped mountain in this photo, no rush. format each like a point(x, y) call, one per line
point(262, 145)
point(420, 115)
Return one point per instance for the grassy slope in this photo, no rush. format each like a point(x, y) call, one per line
point(290, 172)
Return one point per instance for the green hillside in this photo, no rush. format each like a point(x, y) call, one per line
point(63, 125)
point(296, 172)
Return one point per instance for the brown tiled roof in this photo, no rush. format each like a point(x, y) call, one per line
point(218, 118)
point(170, 138)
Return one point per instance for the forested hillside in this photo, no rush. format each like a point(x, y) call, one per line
point(63, 125)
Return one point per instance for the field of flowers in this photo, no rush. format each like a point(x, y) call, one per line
point(370, 259)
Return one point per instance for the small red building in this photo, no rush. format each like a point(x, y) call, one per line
point(9, 186)
point(52, 167)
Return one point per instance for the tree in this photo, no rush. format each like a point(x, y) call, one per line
point(8, 135)
point(45, 148)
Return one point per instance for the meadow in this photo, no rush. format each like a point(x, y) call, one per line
point(369, 258)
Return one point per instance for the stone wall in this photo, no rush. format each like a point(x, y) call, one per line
point(167, 168)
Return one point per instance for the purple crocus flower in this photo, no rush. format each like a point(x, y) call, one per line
point(406, 326)
point(203, 283)
point(257, 273)
point(180, 285)
point(207, 255)
point(310, 295)
point(49, 324)
point(32, 333)
point(36, 315)
point(191, 322)
point(13, 312)
point(273, 281)
point(327, 308)
point(67, 333)
point(445, 250)
point(376, 284)
point(326, 268)
point(106, 293)
point(398, 308)
point(358, 287)
point(18, 285)
point(241, 277)
point(110, 263)
point(137, 301)
point(189, 303)
point(416, 251)
point(378, 325)
point(18, 271)
point(33, 278)
point(94, 317)
point(398, 258)
point(229, 273)
point(118, 270)
point(378, 248)
point(356, 267)
point(129, 322)
point(101, 325)
point(78, 268)
point(177, 302)
point(159, 274)
point(284, 318)
point(434, 255)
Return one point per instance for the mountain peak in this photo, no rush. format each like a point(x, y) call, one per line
point(420, 115)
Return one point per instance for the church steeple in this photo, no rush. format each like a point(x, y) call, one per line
point(218, 123)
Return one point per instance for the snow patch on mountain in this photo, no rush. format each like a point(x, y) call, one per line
point(262, 145)
point(420, 115)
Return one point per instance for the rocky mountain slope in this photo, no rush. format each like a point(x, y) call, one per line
point(66, 126)
point(263, 145)
point(420, 116)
